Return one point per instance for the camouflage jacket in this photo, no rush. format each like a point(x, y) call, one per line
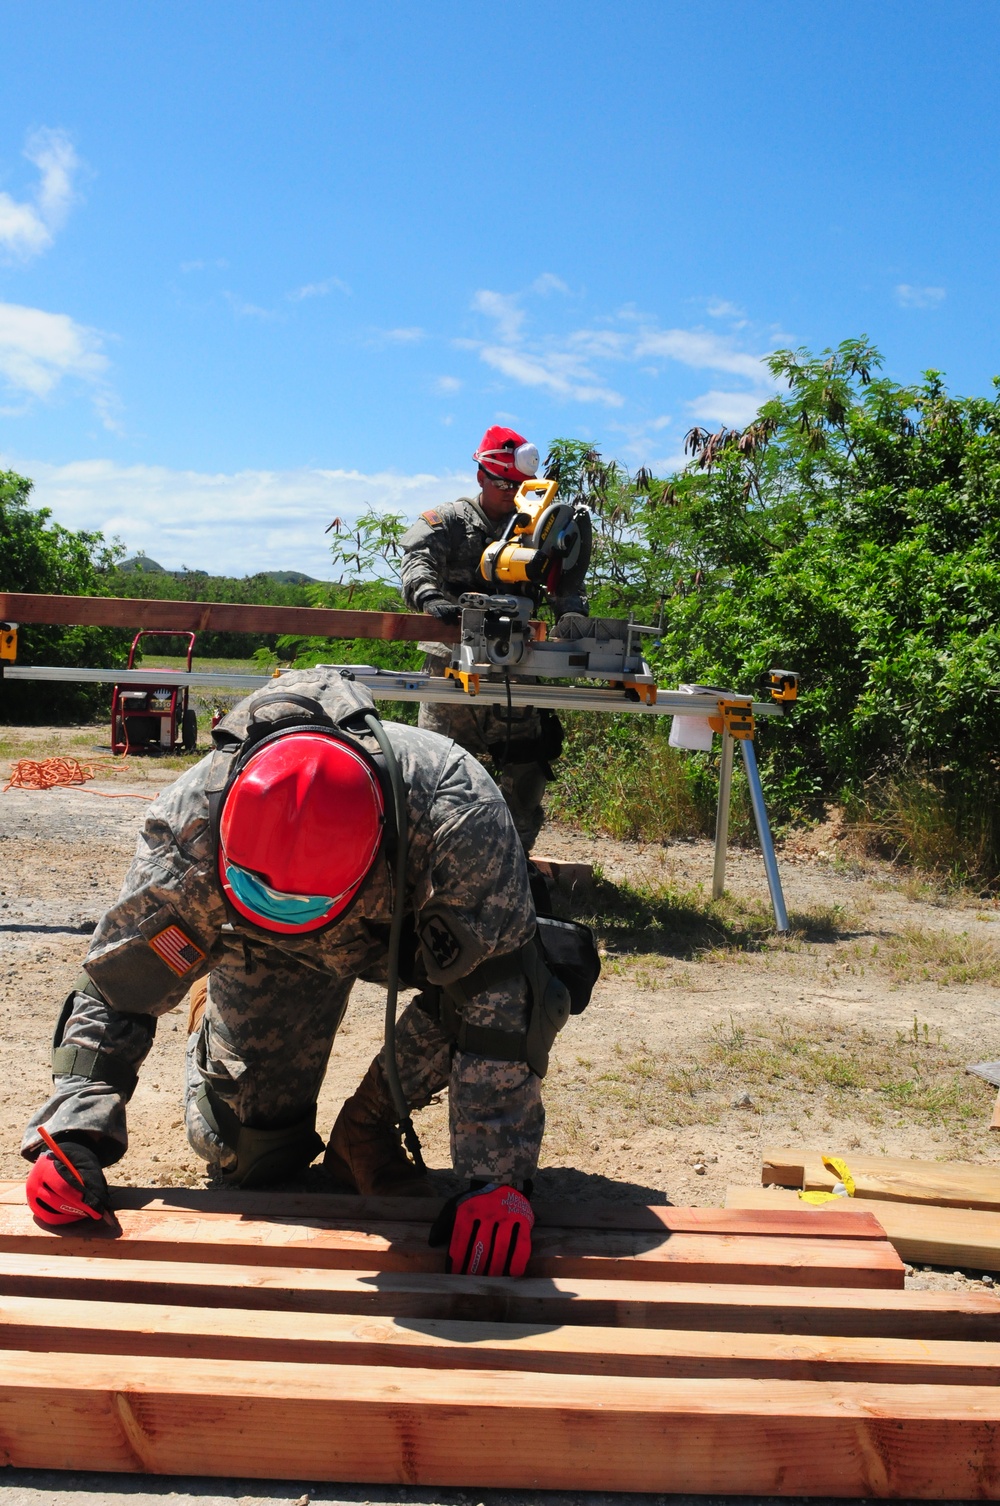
point(442, 551)
point(467, 893)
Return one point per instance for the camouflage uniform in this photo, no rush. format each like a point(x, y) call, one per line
point(275, 1001)
point(441, 557)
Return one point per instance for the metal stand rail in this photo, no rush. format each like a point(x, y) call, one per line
point(418, 685)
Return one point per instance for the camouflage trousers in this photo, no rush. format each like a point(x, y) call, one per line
point(262, 1042)
point(482, 730)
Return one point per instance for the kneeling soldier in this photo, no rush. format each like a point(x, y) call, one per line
point(270, 869)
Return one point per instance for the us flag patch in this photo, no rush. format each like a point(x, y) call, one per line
point(176, 950)
point(431, 517)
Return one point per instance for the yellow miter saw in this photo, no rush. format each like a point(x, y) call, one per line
point(501, 638)
point(541, 540)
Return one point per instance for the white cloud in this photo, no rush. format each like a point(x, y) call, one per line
point(318, 289)
point(721, 308)
point(570, 365)
point(548, 282)
point(244, 310)
point(733, 409)
point(910, 297)
point(409, 335)
point(28, 227)
point(38, 349)
point(560, 372)
point(701, 349)
point(447, 384)
point(505, 311)
point(230, 522)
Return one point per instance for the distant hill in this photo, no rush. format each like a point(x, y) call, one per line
point(141, 564)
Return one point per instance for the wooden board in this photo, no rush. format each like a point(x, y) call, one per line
point(778, 1259)
point(622, 1304)
point(953, 1237)
point(344, 1210)
point(60, 1325)
point(220, 617)
point(501, 1429)
point(945, 1184)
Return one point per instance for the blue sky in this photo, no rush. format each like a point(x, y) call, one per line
point(263, 263)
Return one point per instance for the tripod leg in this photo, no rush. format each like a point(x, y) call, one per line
point(764, 833)
point(722, 815)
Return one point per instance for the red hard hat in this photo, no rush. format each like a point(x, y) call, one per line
point(301, 826)
point(507, 454)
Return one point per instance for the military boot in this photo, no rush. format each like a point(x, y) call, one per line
point(365, 1151)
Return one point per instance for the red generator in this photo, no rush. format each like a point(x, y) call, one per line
point(153, 718)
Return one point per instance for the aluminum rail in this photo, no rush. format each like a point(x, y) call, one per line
point(395, 685)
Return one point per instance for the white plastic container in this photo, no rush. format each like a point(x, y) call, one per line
point(692, 732)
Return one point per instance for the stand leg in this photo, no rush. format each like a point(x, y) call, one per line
point(764, 833)
point(722, 816)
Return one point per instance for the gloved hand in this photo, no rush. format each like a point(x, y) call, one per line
point(54, 1194)
point(443, 609)
point(487, 1231)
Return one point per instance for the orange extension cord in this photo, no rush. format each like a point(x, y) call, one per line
point(66, 774)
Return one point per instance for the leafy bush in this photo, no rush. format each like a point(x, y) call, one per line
point(850, 533)
point(37, 555)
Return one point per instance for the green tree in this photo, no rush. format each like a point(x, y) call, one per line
point(37, 555)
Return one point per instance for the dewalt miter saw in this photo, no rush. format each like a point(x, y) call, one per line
point(501, 637)
point(541, 540)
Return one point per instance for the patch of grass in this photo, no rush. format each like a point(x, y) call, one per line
point(914, 954)
point(659, 919)
point(859, 1073)
point(807, 1072)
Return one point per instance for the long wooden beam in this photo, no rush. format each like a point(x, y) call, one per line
point(219, 617)
point(350, 1211)
point(721, 1306)
point(47, 1325)
point(965, 1237)
point(500, 1429)
point(613, 1254)
point(945, 1184)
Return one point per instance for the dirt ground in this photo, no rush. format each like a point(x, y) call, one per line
point(706, 1041)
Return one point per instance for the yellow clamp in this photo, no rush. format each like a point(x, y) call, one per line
point(783, 684)
point(843, 1187)
point(468, 682)
point(8, 641)
point(735, 717)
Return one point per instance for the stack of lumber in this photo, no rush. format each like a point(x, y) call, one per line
point(648, 1349)
point(934, 1212)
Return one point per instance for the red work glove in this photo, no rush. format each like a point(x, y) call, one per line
point(54, 1194)
point(487, 1230)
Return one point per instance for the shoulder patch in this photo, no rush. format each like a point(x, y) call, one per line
point(432, 517)
point(439, 941)
point(176, 950)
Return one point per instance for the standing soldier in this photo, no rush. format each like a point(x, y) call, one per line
point(441, 559)
point(274, 867)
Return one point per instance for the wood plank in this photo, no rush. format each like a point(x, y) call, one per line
point(945, 1184)
point(619, 1304)
point(47, 1325)
point(499, 1429)
point(343, 1210)
point(220, 617)
point(610, 1254)
point(962, 1237)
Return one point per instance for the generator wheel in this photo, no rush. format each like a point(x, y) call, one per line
point(189, 731)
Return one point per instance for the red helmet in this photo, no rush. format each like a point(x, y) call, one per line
point(507, 454)
point(301, 826)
